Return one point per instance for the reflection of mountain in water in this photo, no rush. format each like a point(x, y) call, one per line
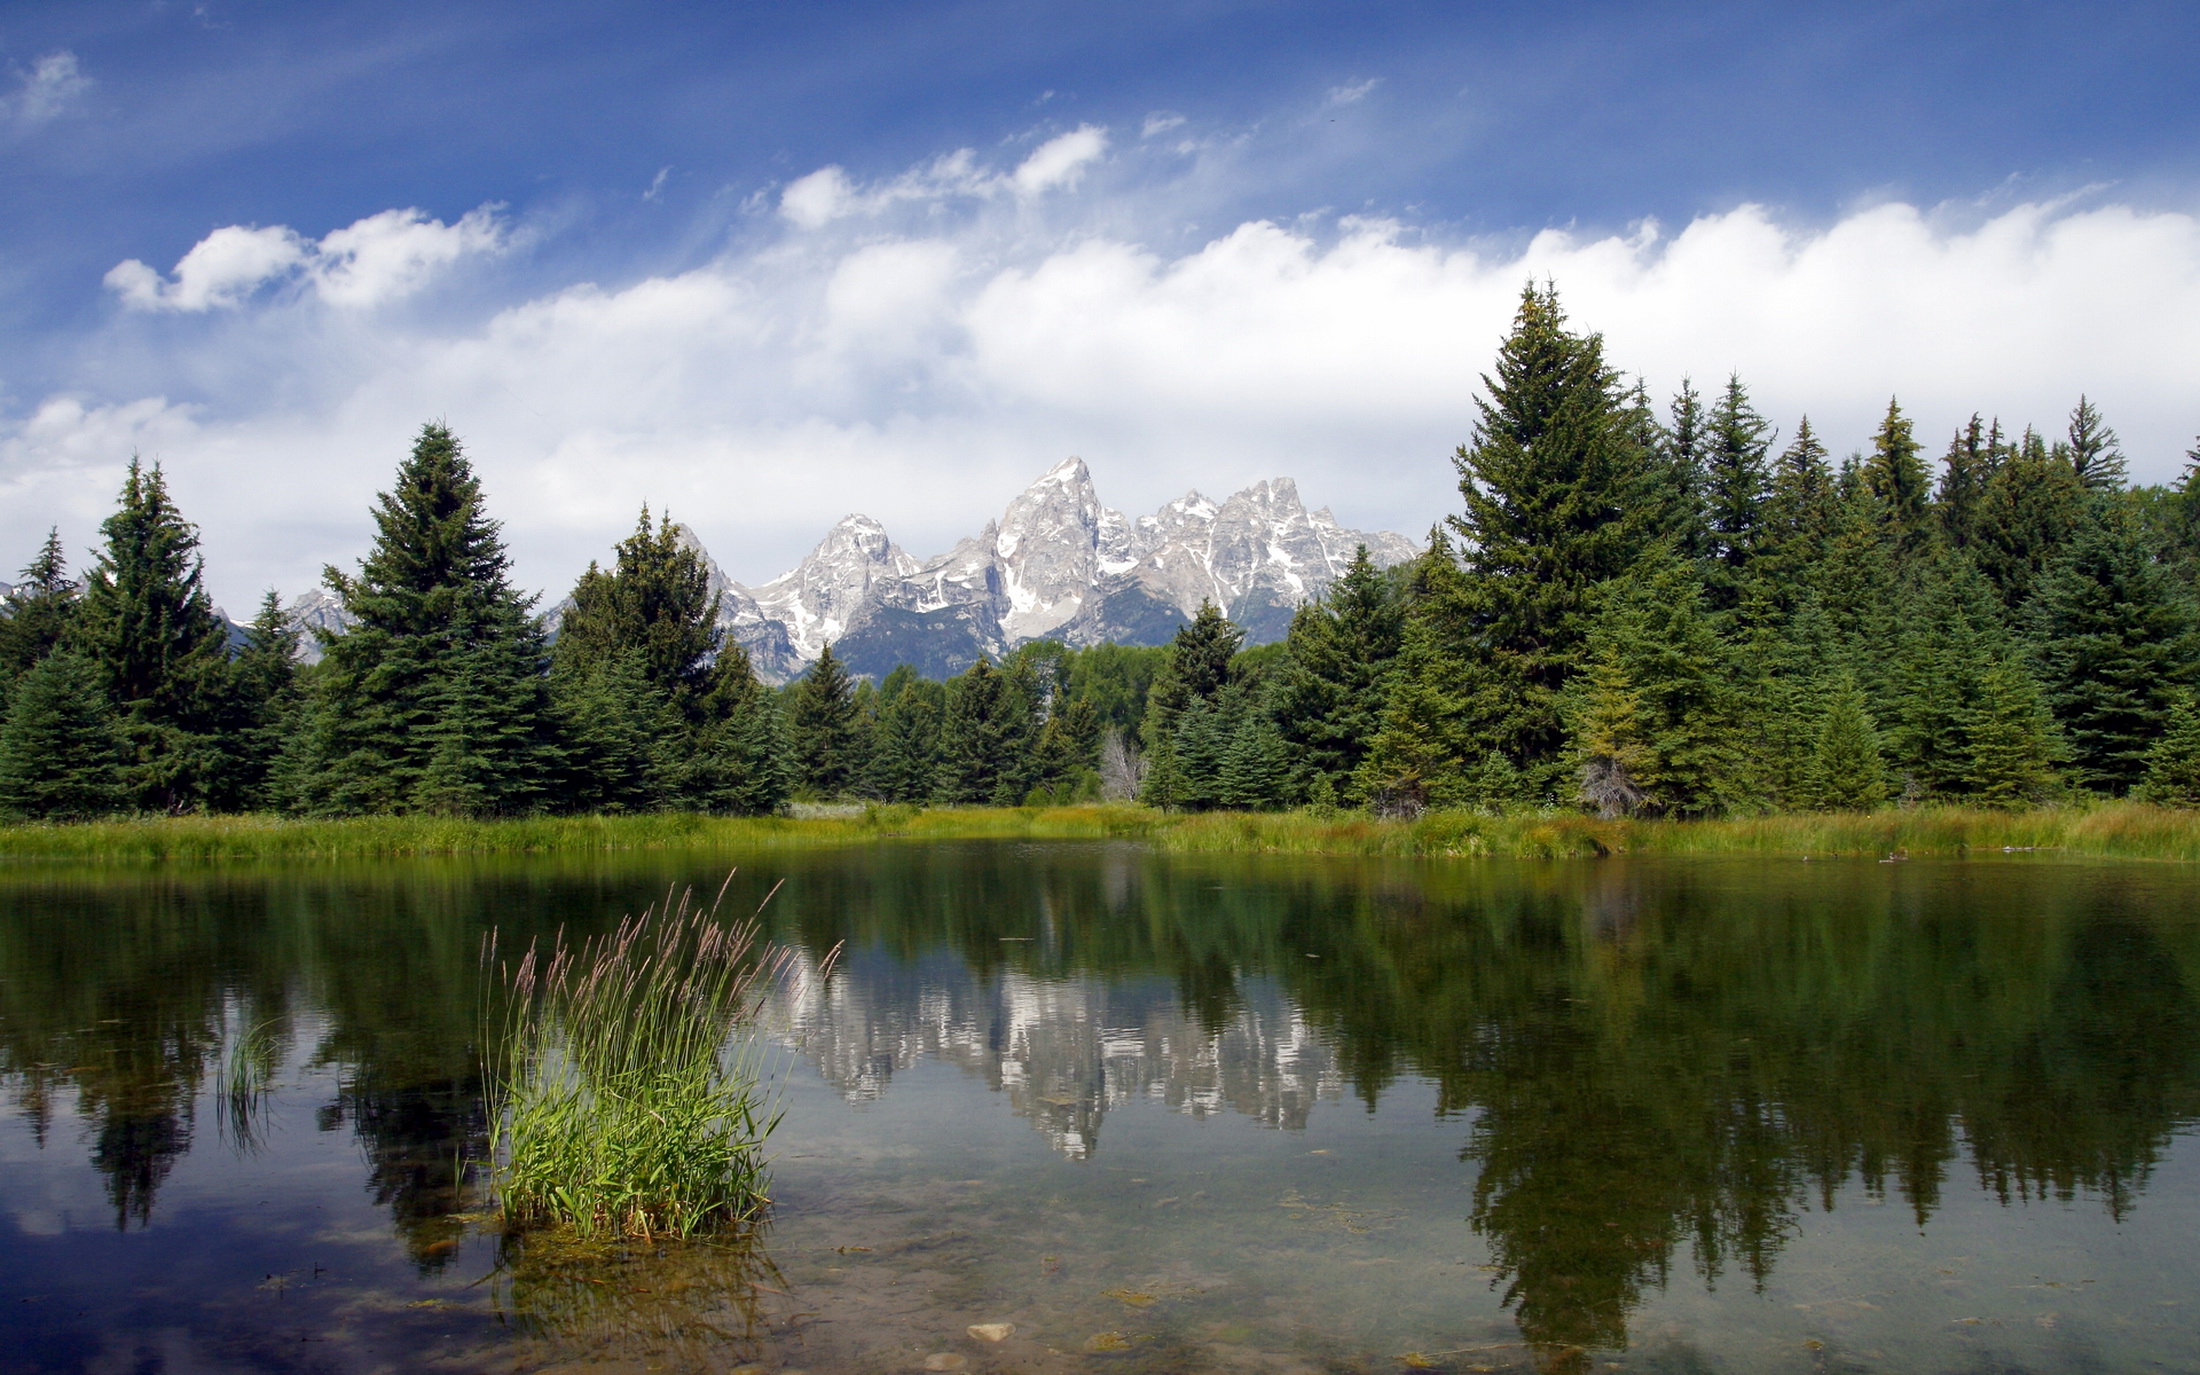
point(1064, 1050)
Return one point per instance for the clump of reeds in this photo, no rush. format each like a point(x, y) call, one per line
point(626, 1084)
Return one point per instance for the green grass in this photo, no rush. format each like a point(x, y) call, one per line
point(2122, 829)
point(625, 1092)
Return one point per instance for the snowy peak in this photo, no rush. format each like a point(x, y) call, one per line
point(1056, 565)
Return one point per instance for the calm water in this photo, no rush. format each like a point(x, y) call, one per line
point(1160, 1113)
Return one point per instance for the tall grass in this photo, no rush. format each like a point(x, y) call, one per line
point(626, 1093)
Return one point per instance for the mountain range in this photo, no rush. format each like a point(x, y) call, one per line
point(1057, 565)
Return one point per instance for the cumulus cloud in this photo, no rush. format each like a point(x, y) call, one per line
point(377, 259)
point(51, 85)
point(926, 366)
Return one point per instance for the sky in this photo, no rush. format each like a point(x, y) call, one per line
point(764, 265)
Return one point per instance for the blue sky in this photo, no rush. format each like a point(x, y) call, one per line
point(1136, 232)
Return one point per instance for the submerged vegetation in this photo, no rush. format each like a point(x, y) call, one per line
point(2128, 830)
point(623, 1098)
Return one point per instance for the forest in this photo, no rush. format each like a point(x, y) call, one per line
point(1634, 612)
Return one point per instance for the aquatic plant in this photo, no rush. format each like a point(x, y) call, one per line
point(626, 1089)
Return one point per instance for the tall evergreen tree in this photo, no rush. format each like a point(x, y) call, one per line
point(1736, 480)
point(1849, 774)
point(1800, 513)
point(1334, 684)
point(1896, 475)
point(266, 704)
point(739, 761)
point(1560, 499)
point(821, 716)
point(2114, 643)
point(979, 732)
point(2094, 454)
point(1426, 750)
point(2030, 509)
point(1964, 471)
point(2173, 765)
point(60, 751)
point(146, 620)
point(1684, 457)
point(1197, 670)
point(2009, 740)
point(654, 602)
point(435, 698)
point(905, 763)
point(37, 615)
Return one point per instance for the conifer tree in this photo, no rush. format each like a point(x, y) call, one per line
point(435, 698)
point(1964, 471)
point(2094, 454)
point(60, 751)
point(1848, 774)
point(1948, 637)
point(655, 602)
point(2173, 765)
point(1800, 513)
point(1683, 453)
point(1197, 670)
point(906, 761)
point(37, 615)
point(1069, 749)
point(1334, 685)
point(1426, 750)
point(2114, 644)
point(1896, 475)
point(973, 733)
point(1736, 479)
point(821, 715)
point(1560, 499)
point(739, 761)
point(146, 621)
point(2030, 509)
point(266, 705)
point(2009, 740)
point(1255, 764)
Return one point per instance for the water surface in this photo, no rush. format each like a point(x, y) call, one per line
point(1158, 1112)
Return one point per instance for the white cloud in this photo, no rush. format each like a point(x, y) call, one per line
point(959, 336)
point(377, 259)
point(1160, 122)
point(1061, 161)
point(47, 89)
point(1354, 93)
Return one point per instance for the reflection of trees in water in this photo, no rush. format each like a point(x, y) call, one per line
point(1661, 1064)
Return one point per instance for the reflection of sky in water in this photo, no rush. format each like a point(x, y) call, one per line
point(1288, 1114)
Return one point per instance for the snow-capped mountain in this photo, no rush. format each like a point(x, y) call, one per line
point(1056, 565)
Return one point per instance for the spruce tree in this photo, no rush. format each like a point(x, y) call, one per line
point(1560, 499)
point(739, 761)
point(906, 760)
point(1964, 471)
point(1896, 475)
point(2009, 740)
point(1736, 481)
point(2094, 454)
point(654, 602)
point(1848, 773)
point(1684, 472)
point(1334, 685)
point(1800, 514)
point(821, 716)
point(266, 705)
point(37, 614)
point(435, 698)
point(1255, 765)
point(2027, 515)
point(146, 620)
point(1197, 670)
point(974, 733)
point(60, 751)
point(2173, 765)
point(2113, 639)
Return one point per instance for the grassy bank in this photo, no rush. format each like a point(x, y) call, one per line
point(2118, 830)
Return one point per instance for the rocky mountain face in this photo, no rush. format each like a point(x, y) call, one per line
point(1056, 565)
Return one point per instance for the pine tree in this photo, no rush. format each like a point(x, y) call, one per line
point(2030, 510)
point(974, 731)
point(1255, 763)
point(1736, 481)
point(623, 741)
point(739, 761)
point(1848, 774)
point(266, 705)
point(1333, 687)
point(906, 760)
point(38, 614)
point(2094, 455)
point(1611, 740)
point(2173, 765)
point(1897, 477)
point(60, 751)
point(1197, 670)
point(654, 602)
point(1800, 514)
point(146, 620)
point(1964, 472)
point(2114, 644)
point(1683, 453)
point(2009, 740)
point(1560, 499)
point(1947, 639)
point(435, 699)
point(821, 714)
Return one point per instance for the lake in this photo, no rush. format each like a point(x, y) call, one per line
point(1155, 1112)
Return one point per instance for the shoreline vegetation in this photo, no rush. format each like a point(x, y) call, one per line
point(2112, 830)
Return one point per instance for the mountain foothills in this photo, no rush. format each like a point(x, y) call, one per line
point(1633, 611)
